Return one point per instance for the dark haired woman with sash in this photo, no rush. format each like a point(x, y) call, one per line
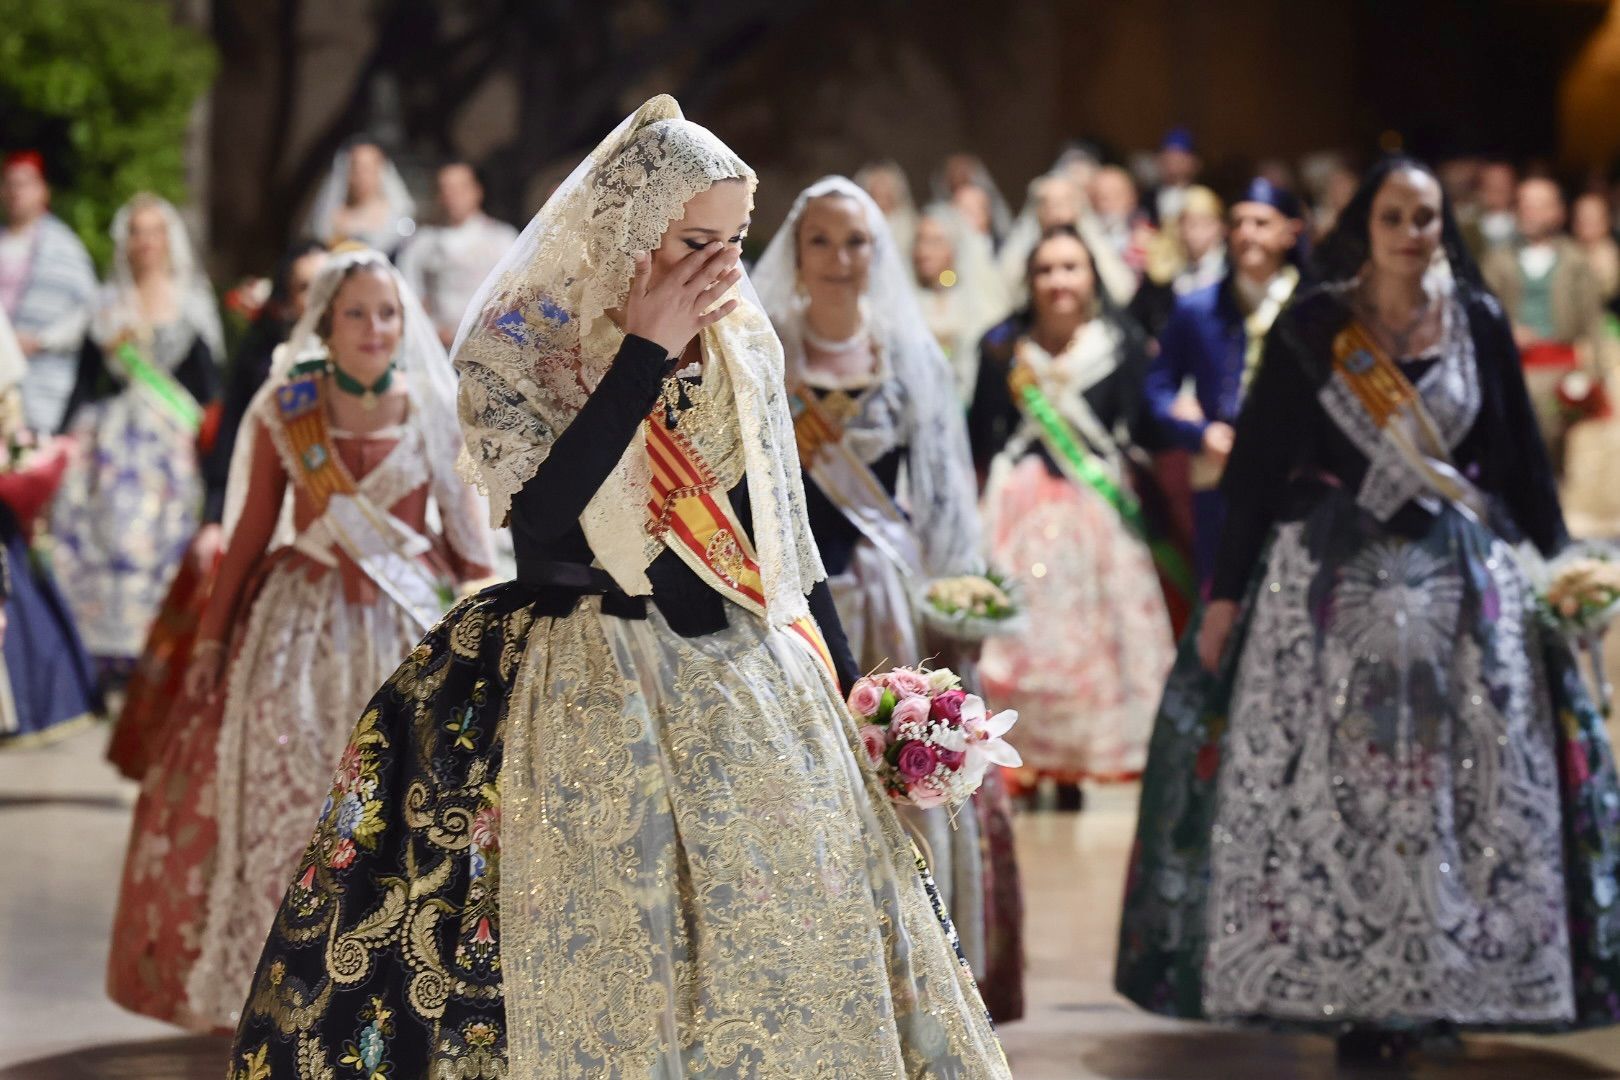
point(330, 574)
point(1057, 400)
point(1392, 808)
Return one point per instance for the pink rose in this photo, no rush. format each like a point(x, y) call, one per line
point(875, 740)
point(911, 710)
point(947, 707)
point(927, 794)
point(904, 681)
point(951, 759)
point(864, 698)
point(917, 760)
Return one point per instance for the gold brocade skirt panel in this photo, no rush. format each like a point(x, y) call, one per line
point(699, 880)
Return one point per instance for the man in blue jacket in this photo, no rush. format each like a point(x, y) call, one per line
point(1211, 345)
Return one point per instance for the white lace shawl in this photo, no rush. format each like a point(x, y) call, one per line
point(534, 344)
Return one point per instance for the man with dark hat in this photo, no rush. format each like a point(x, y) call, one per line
point(1177, 165)
point(47, 284)
point(1212, 341)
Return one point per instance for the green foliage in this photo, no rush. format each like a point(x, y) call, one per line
point(104, 89)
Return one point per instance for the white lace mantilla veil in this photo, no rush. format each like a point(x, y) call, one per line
point(535, 342)
point(422, 363)
point(334, 192)
point(938, 485)
point(118, 307)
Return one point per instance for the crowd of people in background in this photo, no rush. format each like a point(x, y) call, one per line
point(1054, 391)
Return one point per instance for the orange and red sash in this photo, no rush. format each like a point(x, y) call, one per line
point(303, 417)
point(699, 525)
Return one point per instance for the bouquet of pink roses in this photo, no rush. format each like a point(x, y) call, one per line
point(928, 739)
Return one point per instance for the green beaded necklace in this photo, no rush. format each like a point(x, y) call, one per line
point(367, 394)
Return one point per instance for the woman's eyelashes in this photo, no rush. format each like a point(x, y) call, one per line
point(699, 245)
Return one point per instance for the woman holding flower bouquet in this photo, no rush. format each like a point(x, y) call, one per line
point(890, 490)
point(1057, 399)
point(609, 818)
point(1392, 807)
point(330, 574)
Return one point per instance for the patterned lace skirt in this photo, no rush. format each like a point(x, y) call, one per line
point(1396, 807)
point(1086, 673)
point(585, 846)
point(226, 807)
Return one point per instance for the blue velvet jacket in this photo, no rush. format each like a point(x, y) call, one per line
point(1204, 339)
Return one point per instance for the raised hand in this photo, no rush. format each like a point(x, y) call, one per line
point(671, 310)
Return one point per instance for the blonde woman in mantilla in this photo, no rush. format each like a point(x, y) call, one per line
point(608, 819)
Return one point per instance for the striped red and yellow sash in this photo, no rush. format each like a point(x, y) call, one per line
point(700, 525)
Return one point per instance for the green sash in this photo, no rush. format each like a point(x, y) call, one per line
point(174, 400)
point(1082, 467)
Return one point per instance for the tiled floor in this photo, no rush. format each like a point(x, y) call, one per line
point(62, 821)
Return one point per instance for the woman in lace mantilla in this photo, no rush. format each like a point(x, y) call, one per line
point(608, 819)
point(890, 489)
point(1392, 805)
point(330, 575)
point(1057, 397)
point(130, 501)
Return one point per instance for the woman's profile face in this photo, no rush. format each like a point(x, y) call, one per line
point(720, 212)
point(835, 247)
point(1403, 231)
point(1062, 283)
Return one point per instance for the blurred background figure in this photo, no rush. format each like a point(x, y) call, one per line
point(363, 199)
point(447, 261)
point(1495, 221)
point(1553, 299)
point(1056, 405)
point(886, 182)
point(961, 294)
point(47, 682)
point(1177, 166)
point(47, 285)
point(131, 500)
point(1592, 225)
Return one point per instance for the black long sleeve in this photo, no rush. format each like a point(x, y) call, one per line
point(199, 373)
point(825, 612)
point(992, 415)
point(585, 453)
point(1273, 438)
point(90, 381)
point(1516, 464)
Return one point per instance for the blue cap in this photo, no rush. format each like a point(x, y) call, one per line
point(1178, 138)
point(1261, 190)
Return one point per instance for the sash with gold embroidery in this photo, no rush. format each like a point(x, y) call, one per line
point(849, 483)
point(1396, 409)
point(700, 525)
point(384, 548)
point(302, 411)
